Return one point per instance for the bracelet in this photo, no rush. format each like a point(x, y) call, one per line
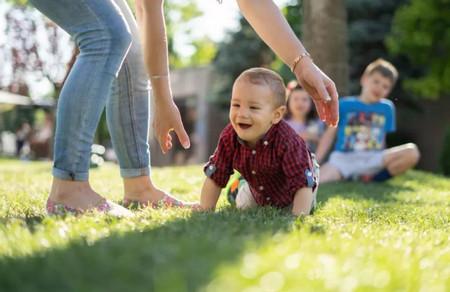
point(159, 76)
point(298, 59)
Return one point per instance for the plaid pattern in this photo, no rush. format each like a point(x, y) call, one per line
point(275, 169)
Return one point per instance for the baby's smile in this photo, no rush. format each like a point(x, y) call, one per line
point(244, 126)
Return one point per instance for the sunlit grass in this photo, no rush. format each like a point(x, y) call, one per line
point(363, 237)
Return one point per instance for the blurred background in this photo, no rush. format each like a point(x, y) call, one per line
point(210, 44)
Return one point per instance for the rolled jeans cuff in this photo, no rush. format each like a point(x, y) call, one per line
point(70, 175)
point(134, 172)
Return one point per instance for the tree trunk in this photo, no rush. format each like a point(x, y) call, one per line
point(325, 37)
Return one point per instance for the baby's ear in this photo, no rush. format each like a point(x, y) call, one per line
point(278, 114)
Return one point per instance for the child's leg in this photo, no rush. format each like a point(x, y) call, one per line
point(244, 198)
point(329, 173)
point(399, 159)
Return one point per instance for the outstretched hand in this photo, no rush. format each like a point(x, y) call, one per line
point(168, 119)
point(322, 90)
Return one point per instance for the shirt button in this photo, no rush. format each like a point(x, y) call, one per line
point(261, 188)
point(253, 172)
point(266, 143)
point(253, 152)
point(268, 198)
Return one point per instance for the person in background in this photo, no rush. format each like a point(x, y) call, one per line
point(22, 135)
point(301, 116)
point(359, 152)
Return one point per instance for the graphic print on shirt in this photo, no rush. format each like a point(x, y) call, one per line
point(364, 131)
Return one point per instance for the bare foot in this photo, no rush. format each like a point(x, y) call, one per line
point(141, 189)
point(74, 194)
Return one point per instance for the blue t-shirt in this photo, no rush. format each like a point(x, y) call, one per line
point(363, 126)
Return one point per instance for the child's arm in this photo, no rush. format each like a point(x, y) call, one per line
point(325, 143)
point(302, 202)
point(210, 194)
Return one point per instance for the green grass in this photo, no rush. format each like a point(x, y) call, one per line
point(363, 237)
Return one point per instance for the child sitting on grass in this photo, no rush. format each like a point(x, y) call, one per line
point(275, 162)
point(364, 121)
point(301, 116)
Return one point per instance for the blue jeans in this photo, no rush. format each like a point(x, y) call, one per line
point(109, 71)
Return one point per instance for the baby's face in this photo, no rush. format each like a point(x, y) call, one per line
point(252, 110)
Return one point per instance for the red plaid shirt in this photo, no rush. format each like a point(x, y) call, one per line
point(275, 169)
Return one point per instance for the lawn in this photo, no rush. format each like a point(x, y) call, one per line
point(363, 237)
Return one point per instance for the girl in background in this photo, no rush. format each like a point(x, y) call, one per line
point(301, 116)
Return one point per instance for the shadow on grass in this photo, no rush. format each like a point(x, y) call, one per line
point(378, 192)
point(180, 255)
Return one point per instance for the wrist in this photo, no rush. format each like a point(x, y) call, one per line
point(302, 58)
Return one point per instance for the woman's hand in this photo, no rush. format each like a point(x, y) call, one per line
point(168, 119)
point(322, 90)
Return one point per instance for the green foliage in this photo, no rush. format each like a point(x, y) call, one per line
point(177, 14)
point(445, 155)
point(363, 237)
point(421, 30)
point(369, 23)
point(243, 49)
point(19, 2)
point(205, 51)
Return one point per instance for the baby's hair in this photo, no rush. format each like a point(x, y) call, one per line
point(263, 76)
point(383, 67)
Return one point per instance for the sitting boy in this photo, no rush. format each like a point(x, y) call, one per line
point(258, 143)
point(360, 147)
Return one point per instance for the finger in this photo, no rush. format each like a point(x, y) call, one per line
point(183, 137)
point(322, 91)
point(168, 141)
point(163, 142)
point(320, 109)
point(162, 145)
point(333, 106)
point(316, 99)
point(169, 145)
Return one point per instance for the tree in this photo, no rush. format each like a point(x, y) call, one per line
point(325, 36)
point(369, 24)
point(34, 50)
point(243, 49)
point(421, 31)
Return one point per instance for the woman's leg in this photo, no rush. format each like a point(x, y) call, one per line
point(103, 38)
point(128, 119)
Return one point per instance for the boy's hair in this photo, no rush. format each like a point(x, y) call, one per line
point(263, 76)
point(385, 68)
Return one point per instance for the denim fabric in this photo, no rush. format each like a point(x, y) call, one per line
point(109, 71)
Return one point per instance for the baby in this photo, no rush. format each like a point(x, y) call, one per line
point(275, 162)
